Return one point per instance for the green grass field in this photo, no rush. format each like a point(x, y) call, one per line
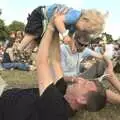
point(28, 79)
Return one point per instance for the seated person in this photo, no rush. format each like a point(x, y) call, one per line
point(73, 63)
point(8, 61)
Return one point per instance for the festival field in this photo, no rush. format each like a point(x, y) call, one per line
point(27, 79)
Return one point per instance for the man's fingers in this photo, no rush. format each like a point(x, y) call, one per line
point(63, 10)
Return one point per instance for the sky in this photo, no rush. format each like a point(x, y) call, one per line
point(19, 9)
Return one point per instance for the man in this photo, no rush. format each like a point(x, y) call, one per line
point(76, 95)
point(55, 101)
point(50, 101)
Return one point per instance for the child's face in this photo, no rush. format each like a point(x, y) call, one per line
point(84, 25)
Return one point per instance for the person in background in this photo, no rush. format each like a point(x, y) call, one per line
point(73, 63)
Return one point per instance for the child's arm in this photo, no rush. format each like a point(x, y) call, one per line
point(60, 25)
point(44, 75)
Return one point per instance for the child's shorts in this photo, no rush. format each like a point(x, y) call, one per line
point(35, 25)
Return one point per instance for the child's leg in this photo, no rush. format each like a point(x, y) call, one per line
point(34, 28)
point(26, 41)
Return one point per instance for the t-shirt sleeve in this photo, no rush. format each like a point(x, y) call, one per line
point(51, 105)
point(87, 52)
point(61, 85)
point(72, 16)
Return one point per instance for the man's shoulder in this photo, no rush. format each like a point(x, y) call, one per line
point(51, 104)
point(51, 91)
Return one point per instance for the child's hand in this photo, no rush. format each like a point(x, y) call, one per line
point(68, 40)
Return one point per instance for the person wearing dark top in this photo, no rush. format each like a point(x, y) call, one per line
point(53, 100)
point(50, 101)
point(8, 61)
point(19, 104)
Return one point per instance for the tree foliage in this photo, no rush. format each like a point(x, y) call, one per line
point(109, 38)
point(3, 30)
point(16, 26)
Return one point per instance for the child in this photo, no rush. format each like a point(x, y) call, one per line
point(90, 21)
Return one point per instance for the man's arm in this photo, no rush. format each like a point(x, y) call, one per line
point(44, 75)
point(59, 22)
point(112, 97)
point(111, 75)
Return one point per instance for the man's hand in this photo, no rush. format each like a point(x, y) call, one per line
point(57, 13)
point(68, 40)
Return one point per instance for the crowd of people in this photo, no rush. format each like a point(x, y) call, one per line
point(70, 67)
point(11, 58)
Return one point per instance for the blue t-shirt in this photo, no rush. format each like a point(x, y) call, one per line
point(71, 17)
point(70, 62)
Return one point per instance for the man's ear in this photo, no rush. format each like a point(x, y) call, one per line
point(81, 100)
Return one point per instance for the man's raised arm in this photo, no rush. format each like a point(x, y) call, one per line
point(44, 75)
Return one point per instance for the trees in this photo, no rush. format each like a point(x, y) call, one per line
point(3, 31)
point(16, 26)
point(0, 11)
point(108, 37)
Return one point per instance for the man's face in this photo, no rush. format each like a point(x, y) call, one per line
point(82, 87)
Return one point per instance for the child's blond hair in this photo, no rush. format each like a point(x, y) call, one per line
point(95, 18)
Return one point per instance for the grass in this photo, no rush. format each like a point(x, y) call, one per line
point(24, 79)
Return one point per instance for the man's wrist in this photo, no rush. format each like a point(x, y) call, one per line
point(64, 34)
point(50, 27)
